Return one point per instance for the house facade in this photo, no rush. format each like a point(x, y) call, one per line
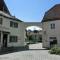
point(11, 28)
point(51, 27)
point(11, 31)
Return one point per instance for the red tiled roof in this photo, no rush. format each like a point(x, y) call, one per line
point(52, 14)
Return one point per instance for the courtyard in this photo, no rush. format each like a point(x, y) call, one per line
point(35, 52)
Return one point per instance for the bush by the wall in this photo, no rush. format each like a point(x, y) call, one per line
point(55, 50)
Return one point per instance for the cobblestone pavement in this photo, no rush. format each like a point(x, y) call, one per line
point(36, 52)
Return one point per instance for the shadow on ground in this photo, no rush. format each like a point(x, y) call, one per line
point(38, 49)
point(17, 49)
point(12, 50)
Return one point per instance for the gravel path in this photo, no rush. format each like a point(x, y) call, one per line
point(36, 52)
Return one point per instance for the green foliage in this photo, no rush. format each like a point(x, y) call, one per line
point(55, 50)
point(30, 37)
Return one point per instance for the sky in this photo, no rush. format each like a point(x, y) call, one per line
point(30, 10)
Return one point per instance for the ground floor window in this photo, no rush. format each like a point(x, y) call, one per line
point(53, 41)
point(13, 38)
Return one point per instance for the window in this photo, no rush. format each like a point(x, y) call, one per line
point(1, 21)
point(16, 25)
point(13, 38)
point(13, 24)
point(53, 26)
point(53, 41)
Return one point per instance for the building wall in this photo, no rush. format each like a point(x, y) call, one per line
point(14, 31)
point(20, 31)
point(48, 32)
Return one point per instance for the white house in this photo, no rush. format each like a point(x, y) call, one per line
point(34, 33)
point(51, 27)
point(11, 28)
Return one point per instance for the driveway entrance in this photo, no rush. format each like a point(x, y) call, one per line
point(37, 46)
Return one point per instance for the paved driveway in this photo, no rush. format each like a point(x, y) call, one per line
point(36, 52)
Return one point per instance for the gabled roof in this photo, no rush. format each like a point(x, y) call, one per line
point(3, 7)
point(52, 14)
point(9, 16)
point(5, 12)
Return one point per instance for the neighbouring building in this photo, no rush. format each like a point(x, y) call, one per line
point(11, 28)
point(51, 27)
point(34, 36)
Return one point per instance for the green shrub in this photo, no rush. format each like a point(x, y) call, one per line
point(55, 50)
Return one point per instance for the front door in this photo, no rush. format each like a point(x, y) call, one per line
point(5, 36)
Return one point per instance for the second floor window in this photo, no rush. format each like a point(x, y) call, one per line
point(52, 26)
point(16, 25)
point(13, 24)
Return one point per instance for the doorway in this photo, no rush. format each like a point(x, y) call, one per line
point(53, 41)
point(5, 36)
